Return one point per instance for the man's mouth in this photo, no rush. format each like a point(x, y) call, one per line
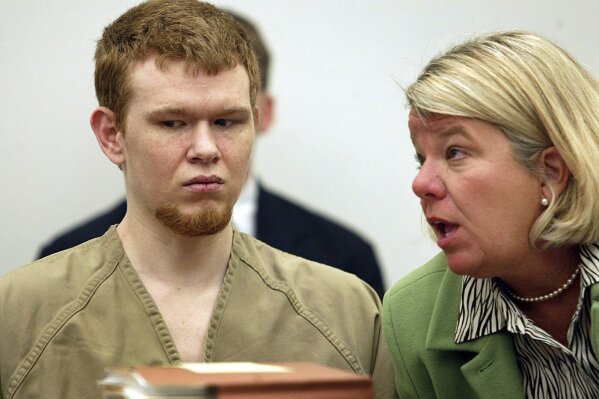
point(204, 184)
point(204, 180)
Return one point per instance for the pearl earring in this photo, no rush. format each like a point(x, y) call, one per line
point(544, 201)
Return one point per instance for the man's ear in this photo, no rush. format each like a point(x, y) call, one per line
point(556, 172)
point(103, 123)
point(257, 115)
point(266, 105)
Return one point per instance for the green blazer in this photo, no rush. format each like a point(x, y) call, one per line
point(420, 315)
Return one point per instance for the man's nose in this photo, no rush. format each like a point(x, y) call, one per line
point(203, 146)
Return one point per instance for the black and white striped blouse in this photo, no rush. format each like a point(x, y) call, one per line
point(549, 369)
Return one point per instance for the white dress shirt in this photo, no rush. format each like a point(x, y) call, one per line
point(244, 211)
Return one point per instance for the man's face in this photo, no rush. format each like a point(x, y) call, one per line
point(187, 145)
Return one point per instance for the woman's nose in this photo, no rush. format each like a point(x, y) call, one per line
point(428, 183)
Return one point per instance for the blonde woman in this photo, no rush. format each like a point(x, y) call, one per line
point(506, 133)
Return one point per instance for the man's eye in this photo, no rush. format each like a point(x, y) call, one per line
point(223, 122)
point(172, 124)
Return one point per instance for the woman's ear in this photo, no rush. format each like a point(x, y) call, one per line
point(103, 123)
point(556, 172)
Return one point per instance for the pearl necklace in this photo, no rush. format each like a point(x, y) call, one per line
point(545, 297)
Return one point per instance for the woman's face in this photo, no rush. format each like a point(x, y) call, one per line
point(478, 199)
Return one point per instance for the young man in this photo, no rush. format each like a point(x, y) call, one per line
point(262, 213)
point(176, 83)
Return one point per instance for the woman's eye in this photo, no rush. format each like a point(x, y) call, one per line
point(419, 160)
point(453, 153)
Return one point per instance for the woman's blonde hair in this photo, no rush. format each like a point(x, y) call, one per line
point(539, 96)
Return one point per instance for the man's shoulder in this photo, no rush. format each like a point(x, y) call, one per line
point(308, 280)
point(292, 228)
point(56, 278)
point(279, 207)
point(86, 230)
point(40, 296)
point(331, 316)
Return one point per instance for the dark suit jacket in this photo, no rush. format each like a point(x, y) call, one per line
point(281, 224)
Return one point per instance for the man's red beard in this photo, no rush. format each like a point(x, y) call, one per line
point(205, 222)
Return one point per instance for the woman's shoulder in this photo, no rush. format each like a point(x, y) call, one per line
point(425, 278)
